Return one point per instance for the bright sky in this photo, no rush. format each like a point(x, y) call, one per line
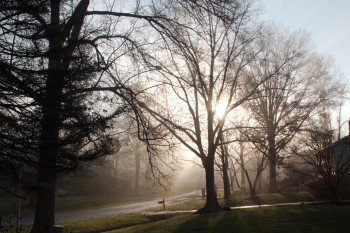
point(327, 20)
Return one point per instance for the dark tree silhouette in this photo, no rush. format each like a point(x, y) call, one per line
point(47, 123)
point(321, 156)
point(52, 104)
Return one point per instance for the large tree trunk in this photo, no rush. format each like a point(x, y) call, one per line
point(273, 176)
point(272, 161)
point(211, 201)
point(45, 206)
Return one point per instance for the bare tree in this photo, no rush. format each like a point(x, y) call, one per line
point(251, 162)
point(240, 152)
point(198, 69)
point(251, 167)
point(282, 104)
point(137, 150)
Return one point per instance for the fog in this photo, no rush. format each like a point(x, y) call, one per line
point(116, 176)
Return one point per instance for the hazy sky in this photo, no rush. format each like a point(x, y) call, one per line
point(328, 21)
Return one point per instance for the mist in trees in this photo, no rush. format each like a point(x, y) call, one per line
point(84, 83)
point(54, 111)
point(323, 162)
point(199, 68)
point(298, 82)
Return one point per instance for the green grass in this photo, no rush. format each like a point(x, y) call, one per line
point(112, 222)
point(269, 198)
point(101, 224)
point(286, 219)
point(302, 218)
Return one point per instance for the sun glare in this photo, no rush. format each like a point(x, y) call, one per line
point(220, 109)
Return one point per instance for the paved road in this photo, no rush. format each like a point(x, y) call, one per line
point(95, 213)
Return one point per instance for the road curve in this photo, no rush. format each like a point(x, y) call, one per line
point(68, 216)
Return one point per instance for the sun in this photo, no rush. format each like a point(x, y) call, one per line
point(220, 109)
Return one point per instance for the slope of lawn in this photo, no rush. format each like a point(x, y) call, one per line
point(286, 219)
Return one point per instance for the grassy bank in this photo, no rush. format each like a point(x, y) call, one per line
point(286, 219)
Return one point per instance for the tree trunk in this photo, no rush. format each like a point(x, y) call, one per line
point(241, 158)
point(137, 172)
point(259, 188)
point(252, 193)
point(273, 176)
point(251, 186)
point(211, 201)
point(256, 181)
point(231, 184)
point(225, 176)
point(272, 161)
point(226, 181)
point(45, 207)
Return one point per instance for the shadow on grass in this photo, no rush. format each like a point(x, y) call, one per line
point(311, 219)
point(270, 198)
point(226, 221)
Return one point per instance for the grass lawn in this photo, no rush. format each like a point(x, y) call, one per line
point(286, 219)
